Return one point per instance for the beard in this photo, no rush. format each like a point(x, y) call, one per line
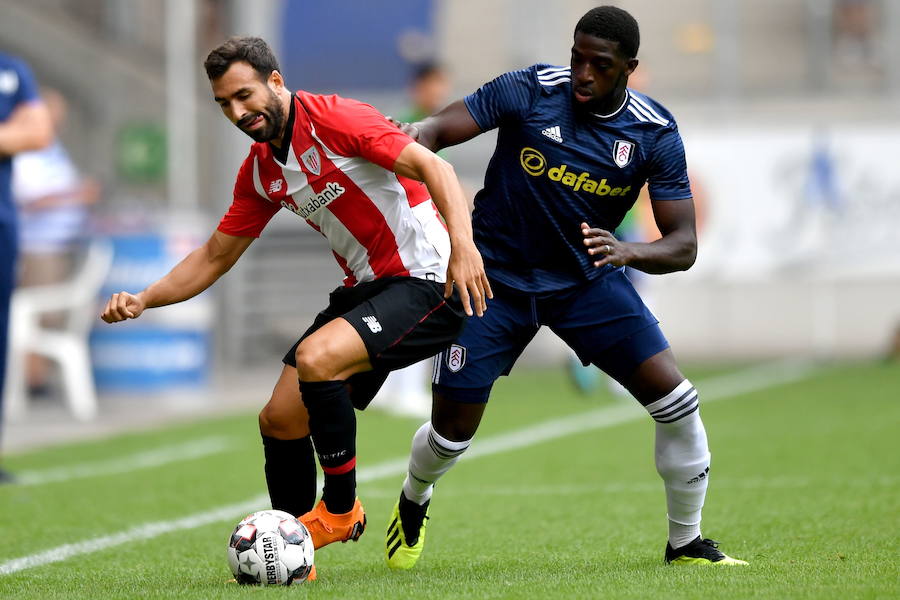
point(273, 120)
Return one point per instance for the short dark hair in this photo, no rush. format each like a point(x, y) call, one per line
point(613, 24)
point(425, 70)
point(252, 50)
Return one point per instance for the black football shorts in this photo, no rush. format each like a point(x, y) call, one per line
point(401, 320)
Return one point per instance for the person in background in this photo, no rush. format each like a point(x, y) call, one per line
point(429, 90)
point(53, 200)
point(24, 125)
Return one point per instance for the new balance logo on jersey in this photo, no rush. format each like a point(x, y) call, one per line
point(276, 186)
point(332, 191)
point(553, 133)
point(373, 324)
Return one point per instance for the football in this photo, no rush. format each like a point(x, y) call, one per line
point(270, 547)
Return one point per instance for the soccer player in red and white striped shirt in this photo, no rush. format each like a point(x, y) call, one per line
point(410, 277)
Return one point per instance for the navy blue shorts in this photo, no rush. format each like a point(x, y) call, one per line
point(604, 321)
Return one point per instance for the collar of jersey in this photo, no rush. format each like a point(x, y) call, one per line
point(281, 154)
point(616, 112)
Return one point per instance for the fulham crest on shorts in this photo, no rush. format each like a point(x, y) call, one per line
point(456, 358)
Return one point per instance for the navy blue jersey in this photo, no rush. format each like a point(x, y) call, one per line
point(555, 167)
point(17, 87)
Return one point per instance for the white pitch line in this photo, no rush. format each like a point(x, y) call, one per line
point(141, 532)
point(616, 488)
point(717, 388)
point(754, 484)
point(125, 464)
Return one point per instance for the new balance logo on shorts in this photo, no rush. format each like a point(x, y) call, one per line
point(373, 324)
point(553, 133)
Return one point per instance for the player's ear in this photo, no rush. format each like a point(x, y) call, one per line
point(276, 81)
point(630, 65)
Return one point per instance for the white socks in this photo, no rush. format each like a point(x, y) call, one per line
point(682, 460)
point(432, 455)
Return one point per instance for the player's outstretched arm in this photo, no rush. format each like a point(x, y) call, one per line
point(676, 250)
point(448, 127)
point(199, 270)
point(466, 268)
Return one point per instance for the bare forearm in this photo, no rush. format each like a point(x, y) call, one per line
point(426, 133)
point(465, 268)
point(452, 125)
point(29, 128)
point(14, 140)
point(674, 252)
point(199, 270)
point(450, 201)
point(188, 278)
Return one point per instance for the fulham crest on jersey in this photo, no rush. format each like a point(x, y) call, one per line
point(623, 152)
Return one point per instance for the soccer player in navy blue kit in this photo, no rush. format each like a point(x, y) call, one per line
point(574, 149)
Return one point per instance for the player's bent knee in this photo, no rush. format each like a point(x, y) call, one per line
point(312, 362)
point(457, 411)
point(654, 377)
point(282, 424)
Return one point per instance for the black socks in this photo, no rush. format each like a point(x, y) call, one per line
point(290, 474)
point(332, 426)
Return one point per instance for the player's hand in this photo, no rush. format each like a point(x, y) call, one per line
point(604, 246)
point(407, 128)
point(123, 306)
point(466, 270)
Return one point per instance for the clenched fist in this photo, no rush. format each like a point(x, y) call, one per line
point(123, 306)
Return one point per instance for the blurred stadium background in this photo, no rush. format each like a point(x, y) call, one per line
point(790, 112)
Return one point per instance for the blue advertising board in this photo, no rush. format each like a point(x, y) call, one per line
point(166, 348)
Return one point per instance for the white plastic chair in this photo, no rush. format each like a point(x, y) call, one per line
point(76, 299)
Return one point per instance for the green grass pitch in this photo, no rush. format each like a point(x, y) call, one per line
point(804, 485)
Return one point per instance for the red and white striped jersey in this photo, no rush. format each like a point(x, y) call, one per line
point(334, 169)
